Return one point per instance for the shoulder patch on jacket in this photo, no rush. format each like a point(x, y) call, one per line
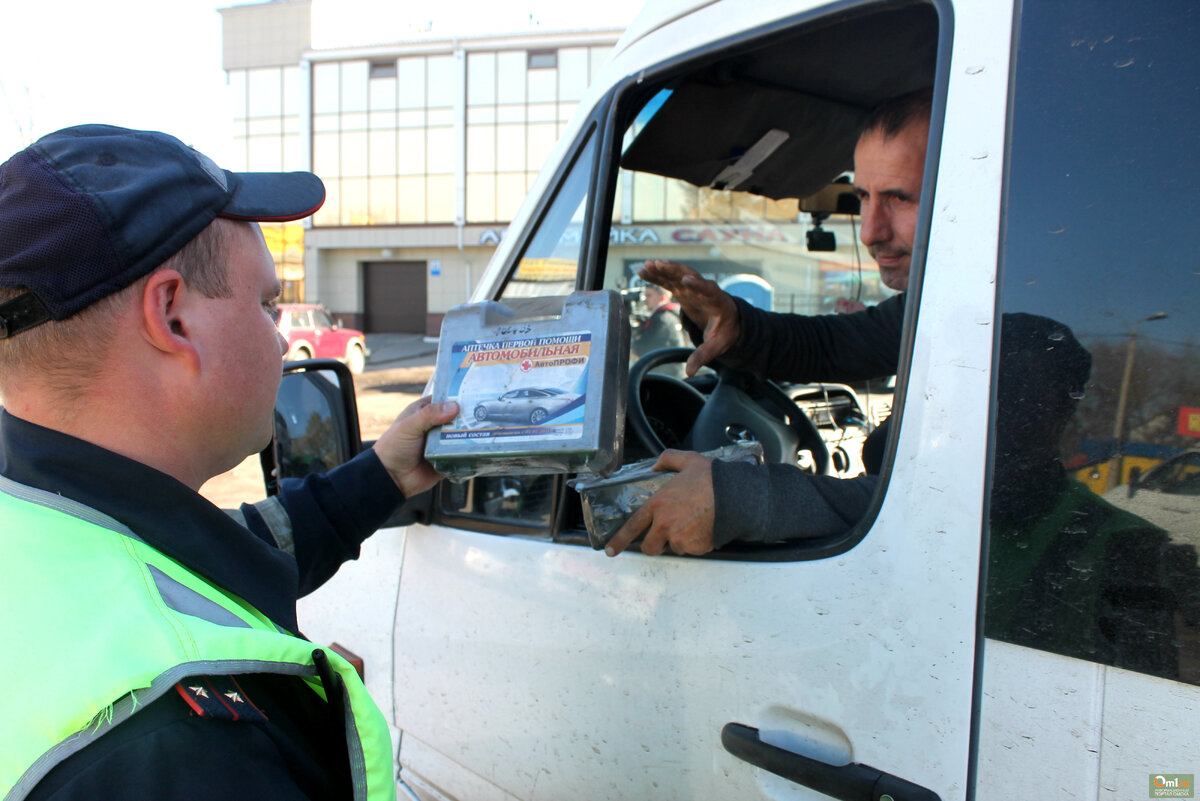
point(219, 698)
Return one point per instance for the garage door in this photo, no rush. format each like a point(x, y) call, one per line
point(394, 296)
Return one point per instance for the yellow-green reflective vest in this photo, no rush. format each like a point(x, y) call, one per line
point(101, 624)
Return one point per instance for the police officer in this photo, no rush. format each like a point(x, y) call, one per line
point(153, 649)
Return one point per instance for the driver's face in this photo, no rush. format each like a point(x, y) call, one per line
point(887, 179)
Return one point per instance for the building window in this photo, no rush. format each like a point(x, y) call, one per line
point(266, 121)
point(543, 59)
point(383, 140)
point(383, 69)
point(285, 241)
point(518, 104)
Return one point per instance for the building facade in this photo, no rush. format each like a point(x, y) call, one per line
point(426, 146)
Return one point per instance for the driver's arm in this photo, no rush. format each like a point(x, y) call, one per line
point(679, 516)
point(781, 346)
point(822, 347)
point(712, 503)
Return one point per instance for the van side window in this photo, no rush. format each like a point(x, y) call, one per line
point(1094, 516)
point(763, 245)
point(741, 169)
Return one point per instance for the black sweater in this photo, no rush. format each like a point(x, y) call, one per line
point(767, 503)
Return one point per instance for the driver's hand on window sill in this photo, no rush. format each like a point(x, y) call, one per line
point(678, 517)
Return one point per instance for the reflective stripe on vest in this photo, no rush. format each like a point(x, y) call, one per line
point(101, 624)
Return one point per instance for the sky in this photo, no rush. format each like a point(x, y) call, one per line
point(156, 64)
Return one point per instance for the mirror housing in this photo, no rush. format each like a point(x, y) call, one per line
point(316, 422)
point(317, 429)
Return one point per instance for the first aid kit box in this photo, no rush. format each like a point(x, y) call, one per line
point(540, 384)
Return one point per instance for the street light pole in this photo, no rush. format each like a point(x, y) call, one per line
point(1117, 468)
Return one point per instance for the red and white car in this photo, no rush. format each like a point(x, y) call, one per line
point(312, 334)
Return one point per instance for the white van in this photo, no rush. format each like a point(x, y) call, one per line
point(962, 640)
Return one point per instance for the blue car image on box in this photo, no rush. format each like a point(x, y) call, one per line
point(529, 405)
point(532, 388)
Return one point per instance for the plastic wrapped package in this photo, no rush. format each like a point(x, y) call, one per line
point(609, 501)
point(540, 384)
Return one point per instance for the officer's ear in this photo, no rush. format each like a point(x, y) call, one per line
point(167, 305)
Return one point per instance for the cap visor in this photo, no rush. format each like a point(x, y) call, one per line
point(273, 196)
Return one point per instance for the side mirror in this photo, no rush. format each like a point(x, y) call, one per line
point(316, 422)
point(316, 429)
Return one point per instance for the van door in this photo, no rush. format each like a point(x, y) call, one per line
point(530, 666)
point(1092, 606)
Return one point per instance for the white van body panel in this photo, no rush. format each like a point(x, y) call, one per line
point(655, 15)
point(1076, 729)
point(640, 652)
point(518, 668)
point(356, 609)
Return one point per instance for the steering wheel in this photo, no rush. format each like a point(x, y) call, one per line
point(730, 414)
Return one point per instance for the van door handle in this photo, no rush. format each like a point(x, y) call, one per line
point(851, 782)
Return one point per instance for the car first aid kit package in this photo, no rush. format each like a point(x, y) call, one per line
point(540, 385)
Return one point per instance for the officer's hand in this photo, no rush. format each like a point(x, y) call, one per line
point(678, 516)
point(401, 448)
point(705, 304)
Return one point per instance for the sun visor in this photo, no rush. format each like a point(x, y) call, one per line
point(702, 132)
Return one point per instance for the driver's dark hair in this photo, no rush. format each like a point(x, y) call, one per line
point(896, 113)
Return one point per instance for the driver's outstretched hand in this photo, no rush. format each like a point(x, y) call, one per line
point(705, 304)
point(679, 516)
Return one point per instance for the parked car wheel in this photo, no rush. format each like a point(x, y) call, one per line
point(299, 354)
point(481, 412)
point(537, 416)
point(356, 359)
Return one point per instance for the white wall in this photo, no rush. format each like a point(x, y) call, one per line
point(335, 276)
